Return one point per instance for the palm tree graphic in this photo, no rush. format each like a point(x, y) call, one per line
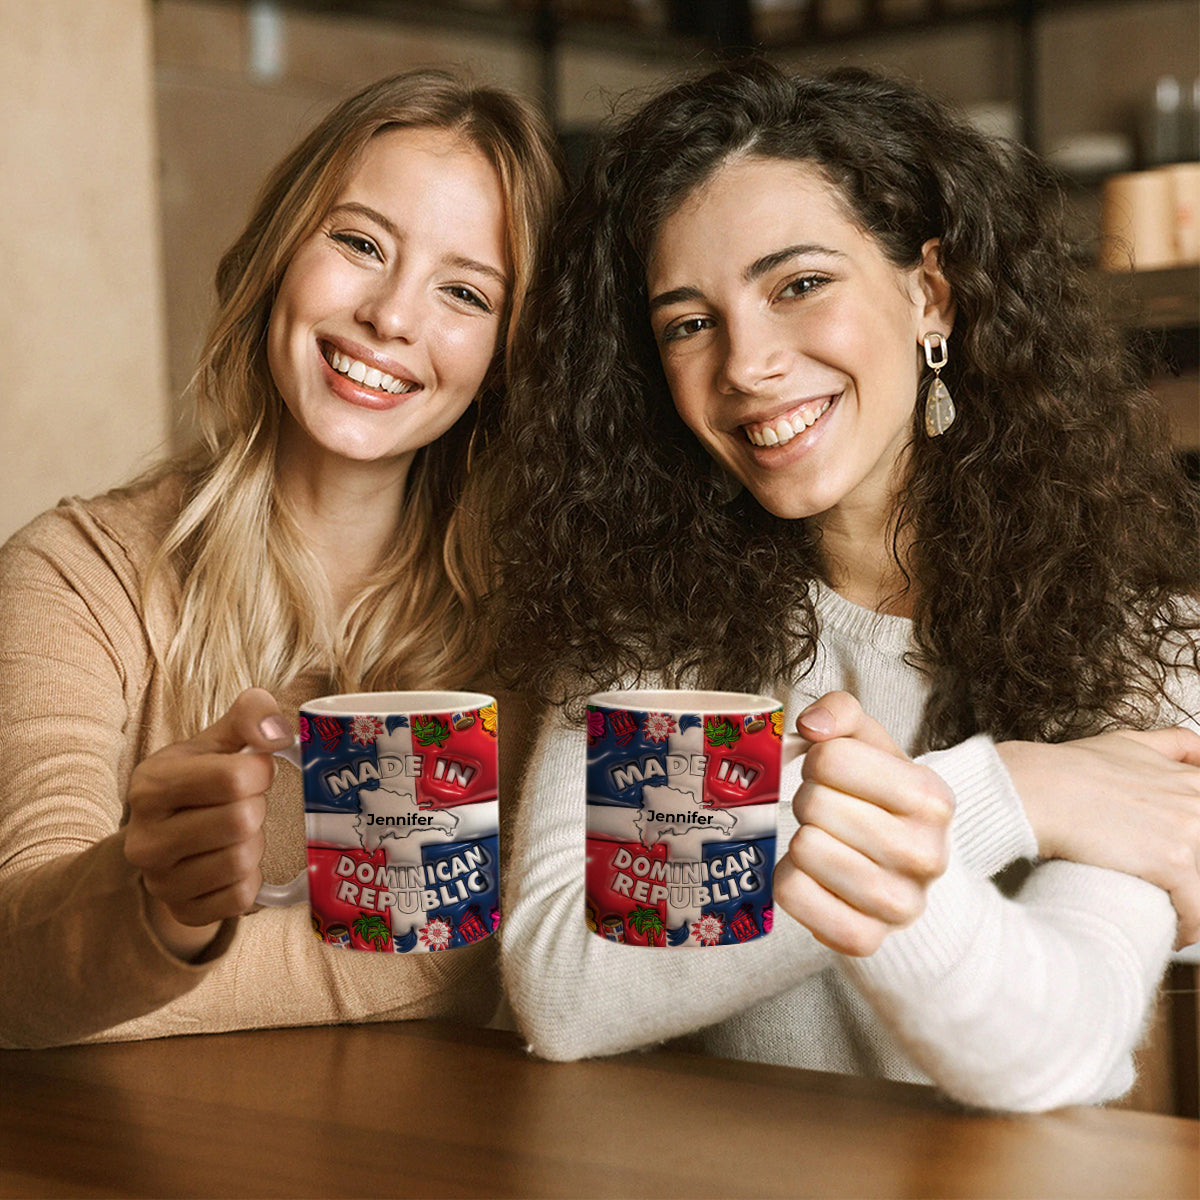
point(647, 922)
point(374, 929)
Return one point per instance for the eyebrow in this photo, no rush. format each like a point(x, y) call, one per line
point(675, 296)
point(756, 270)
point(768, 262)
point(385, 223)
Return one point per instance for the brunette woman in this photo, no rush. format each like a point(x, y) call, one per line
point(318, 539)
point(820, 407)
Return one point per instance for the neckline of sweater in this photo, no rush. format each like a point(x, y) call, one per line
point(856, 623)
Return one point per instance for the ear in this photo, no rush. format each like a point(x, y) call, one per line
point(938, 315)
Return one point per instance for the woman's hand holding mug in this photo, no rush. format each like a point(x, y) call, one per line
point(874, 831)
point(196, 811)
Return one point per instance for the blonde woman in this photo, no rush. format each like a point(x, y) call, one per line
point(320, 538)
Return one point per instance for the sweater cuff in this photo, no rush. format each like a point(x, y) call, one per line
point(936, 943)
point(990, 829)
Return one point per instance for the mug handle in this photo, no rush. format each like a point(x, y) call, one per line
point(283, 895)
point(794, 746)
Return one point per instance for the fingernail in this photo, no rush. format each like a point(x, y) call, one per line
point(275, 728)
point(817, 719)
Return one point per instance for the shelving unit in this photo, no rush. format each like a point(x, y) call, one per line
point(1161, 311)
point(1161, 300)
point(696, 34)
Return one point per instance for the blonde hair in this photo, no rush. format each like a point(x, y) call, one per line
point(254, 606)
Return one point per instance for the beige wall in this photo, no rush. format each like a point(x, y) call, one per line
point(81, 306)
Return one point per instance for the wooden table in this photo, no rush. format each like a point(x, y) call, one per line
point(422, 1109)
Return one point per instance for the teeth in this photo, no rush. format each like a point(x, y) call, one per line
point(781, 431)
point(370, 377)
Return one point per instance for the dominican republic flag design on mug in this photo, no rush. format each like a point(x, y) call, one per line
point(681, 820)
point(402, 820)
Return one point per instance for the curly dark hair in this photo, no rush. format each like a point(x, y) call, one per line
point(1053, 561)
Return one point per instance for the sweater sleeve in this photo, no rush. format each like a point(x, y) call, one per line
point(575, 994)
point(1035, 1002)
point(80, 953)
point(1024, 1004)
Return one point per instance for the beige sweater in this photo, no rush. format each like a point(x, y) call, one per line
point(81, 704)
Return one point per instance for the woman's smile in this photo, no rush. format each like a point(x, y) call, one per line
point(388, 315)
point(781, 430)
point(359, 377)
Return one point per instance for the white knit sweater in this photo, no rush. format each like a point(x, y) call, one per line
point(1026, 1003)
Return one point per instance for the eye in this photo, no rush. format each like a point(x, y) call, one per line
point(358, 244)
point(804, 285)
point(468, 295)
point(686, 327)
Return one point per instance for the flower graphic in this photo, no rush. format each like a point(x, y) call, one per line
point(305, 731)
point(768, 918)
point(487, 714)
point(595, 726)
point(364, 730)
point(657, 727)
point(708, 929)
point(437, 933)
point(777, 722)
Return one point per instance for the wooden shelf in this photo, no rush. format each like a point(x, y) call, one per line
point(1163, 300)
point(574, 21)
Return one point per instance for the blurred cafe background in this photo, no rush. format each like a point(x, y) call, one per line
point(135, 133)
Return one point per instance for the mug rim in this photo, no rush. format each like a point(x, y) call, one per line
point(351, 704)
point(685, 700)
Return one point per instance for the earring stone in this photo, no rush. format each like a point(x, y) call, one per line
point(939, 406)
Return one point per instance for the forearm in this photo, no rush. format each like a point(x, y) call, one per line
point(276, 973)
point(1029, 1004)
point(84, 964)
point(80, 954)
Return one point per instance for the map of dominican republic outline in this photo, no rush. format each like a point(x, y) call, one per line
point(388, 811)
point(675, 813)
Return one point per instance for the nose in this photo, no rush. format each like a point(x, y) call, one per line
point(754, 354)
point(394, 308)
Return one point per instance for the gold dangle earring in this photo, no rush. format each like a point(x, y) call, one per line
point(939, 407)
